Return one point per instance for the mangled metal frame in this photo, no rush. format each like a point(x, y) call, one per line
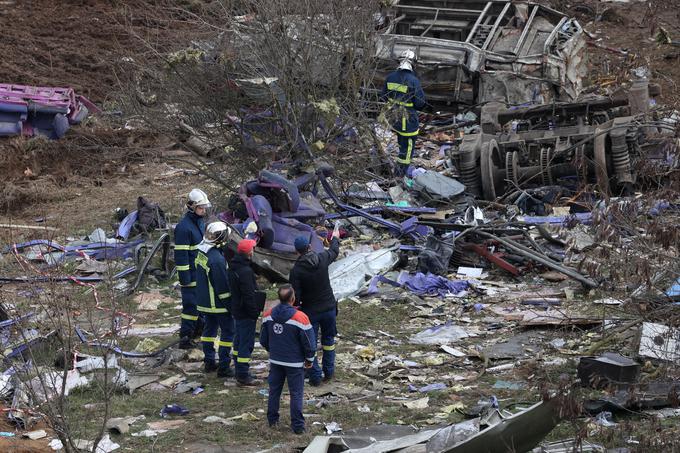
point(472, 51)
point(590, 141)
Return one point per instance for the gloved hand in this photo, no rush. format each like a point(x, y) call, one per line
point(307, 365)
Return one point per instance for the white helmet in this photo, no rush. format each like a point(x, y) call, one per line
point(197, 198)
point(216, 233)
point(407, 58)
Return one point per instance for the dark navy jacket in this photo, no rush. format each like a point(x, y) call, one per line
point(403, 88)
point(288, 336)
point(309, 278)
point(243, 286)
point(188, 234)
point(212, 286)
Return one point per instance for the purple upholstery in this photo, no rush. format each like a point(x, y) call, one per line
point(44, 110)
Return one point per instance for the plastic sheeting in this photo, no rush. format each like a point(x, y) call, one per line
point(443, 334)
point(349, 275)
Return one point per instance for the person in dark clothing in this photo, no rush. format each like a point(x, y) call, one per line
point(312, 286)
point(212, 294)
point(405, 97)
point(244, 308)
point(288, 337)
point(188, 234)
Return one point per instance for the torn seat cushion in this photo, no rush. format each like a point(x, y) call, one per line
point(261, 211)
point(286, 192)
point(285, 232)
point(309, 208)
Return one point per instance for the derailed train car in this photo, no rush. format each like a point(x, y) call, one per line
point(470, 51)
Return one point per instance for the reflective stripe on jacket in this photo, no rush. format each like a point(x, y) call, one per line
point(288, 336)
point(188, 234)
point(212, 286)
point(403, 90)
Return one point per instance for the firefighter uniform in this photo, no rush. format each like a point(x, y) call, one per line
point(213, 297)
point(405, 97)
point(188, 234)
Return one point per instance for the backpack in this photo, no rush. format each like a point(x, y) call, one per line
point(150, 216)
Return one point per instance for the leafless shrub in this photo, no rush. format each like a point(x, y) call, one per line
point(46, 355)
point(250, 82)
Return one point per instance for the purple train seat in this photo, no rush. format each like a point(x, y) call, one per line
point(27, 110)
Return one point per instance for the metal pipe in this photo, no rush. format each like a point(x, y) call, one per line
point(478, 22)
point(520, 249)
point(489, 39)
point(518, 47)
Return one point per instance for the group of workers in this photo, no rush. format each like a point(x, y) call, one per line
point(220, 297)
point(221, 301)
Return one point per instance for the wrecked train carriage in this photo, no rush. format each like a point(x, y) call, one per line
point(593, 141)
point(471, 51)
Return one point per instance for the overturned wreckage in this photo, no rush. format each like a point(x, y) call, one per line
point(473, 51)
point(27, 110)
point(597, 141)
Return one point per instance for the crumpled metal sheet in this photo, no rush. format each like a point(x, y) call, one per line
point(349, 275)
point(386, 446)
point(452, 435)
point(326, 444)
point(519, 433)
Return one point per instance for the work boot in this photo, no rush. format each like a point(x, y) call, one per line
point(247, 381)
point(187, 343)
point(299, 431)
point(210, 367)
point(326, 379)
point(314, 382)
point(225, 372)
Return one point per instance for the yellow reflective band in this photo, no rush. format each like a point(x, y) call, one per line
point(211, 310)
point(243, 360)
point(226, 344)
point(403, 123)
point(186, 247)
point(397, 87)
point(408, 134)
point(208, 339)
point(189, 285)
point(202, 260)
point(234, 353)
point(224, 295)
point(329, 348)
point(189, 317)
point(402, 103)
point(183, 267)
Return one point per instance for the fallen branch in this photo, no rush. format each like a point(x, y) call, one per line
point(28, 227)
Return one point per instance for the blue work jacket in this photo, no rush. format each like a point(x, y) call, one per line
point(212, 285)
point(188, 234)
point(403, 88)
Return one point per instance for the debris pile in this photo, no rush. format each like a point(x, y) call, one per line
point(523, 274)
